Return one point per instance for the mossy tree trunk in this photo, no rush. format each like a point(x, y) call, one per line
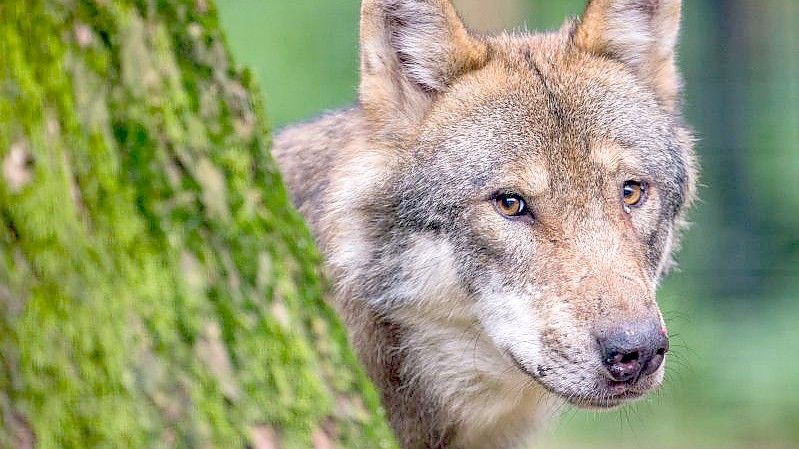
point(156, 288)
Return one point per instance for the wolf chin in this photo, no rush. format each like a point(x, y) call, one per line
point(496, 212)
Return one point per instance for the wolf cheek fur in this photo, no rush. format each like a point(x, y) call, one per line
point(477, 323)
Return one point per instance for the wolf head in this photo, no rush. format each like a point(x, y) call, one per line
point(527, 187)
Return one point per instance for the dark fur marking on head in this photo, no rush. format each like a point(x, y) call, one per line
point(649, 7)
point(552, 100)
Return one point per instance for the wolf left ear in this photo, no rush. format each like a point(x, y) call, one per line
point(642, 34)
point(411, 51)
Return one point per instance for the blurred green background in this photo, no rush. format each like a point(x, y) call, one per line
point(733, 377)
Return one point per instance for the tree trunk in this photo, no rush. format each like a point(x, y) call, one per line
point(156, 288)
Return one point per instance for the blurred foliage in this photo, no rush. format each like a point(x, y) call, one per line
point(734, 377)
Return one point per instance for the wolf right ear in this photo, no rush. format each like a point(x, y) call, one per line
point(411, 51)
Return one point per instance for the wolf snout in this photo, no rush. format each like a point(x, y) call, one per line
point(634, 351)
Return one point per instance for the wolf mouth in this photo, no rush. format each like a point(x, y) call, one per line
point(600, 400)
point(604, 403)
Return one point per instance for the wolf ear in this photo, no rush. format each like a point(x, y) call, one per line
point(639, 33)
point(411, 51)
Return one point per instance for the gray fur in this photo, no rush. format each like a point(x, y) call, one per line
point(474, 326)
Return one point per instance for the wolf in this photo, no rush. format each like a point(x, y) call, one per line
point(496, 212)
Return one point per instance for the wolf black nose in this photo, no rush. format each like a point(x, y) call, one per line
point(634, 351)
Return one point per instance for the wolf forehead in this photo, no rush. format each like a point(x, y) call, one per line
point(539, 115)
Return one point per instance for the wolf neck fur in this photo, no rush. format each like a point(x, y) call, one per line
point(439, 384)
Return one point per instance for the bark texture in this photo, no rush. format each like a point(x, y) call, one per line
point(156, 288)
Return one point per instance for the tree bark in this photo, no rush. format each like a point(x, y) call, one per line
point(156, 288)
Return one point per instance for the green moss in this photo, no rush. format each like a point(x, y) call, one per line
point(156, 287)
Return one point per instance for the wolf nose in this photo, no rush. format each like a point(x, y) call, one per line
point(632, 352)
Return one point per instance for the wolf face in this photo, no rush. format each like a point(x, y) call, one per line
point(497, 212)
point(545, 209)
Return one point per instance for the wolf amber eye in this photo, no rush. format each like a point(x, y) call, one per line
point(633, 193)
point(511, 205)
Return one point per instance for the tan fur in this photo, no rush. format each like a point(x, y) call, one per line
point(437, 50)
point(640, 33)
point(476, 327)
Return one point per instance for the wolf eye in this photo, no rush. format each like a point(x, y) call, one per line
point(511, 205)
point(633, 193)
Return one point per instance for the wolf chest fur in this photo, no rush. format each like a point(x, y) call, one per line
point(496, 212)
